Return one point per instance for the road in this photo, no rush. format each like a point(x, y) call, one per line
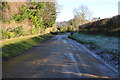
point(58, 57)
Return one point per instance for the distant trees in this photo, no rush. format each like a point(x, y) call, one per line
point(65, 26)
point(82, 12)
point(81, 15)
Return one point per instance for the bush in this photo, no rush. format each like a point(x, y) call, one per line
point(7, 34)
point(19, 31)
point(5, 5)
point(6, 21)
point(12, 32)
point(34, 31)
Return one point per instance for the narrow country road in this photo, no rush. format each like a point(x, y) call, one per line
point(59, 57)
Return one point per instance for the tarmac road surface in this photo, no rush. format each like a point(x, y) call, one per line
point(58, 57)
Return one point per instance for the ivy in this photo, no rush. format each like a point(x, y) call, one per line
point(37, 12)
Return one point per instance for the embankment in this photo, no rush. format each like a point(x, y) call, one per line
point(15, 47)
point(107, 26)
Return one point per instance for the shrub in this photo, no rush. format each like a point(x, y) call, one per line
point(19, 31)
point(6, 21)
point(7, 34)
point(5, 5)
point(34, 31)
point(12, 32)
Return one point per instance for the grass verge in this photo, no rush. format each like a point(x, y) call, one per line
point(101, 42)
point(15, 47)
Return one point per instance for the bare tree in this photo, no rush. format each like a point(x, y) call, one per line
point(82, 14)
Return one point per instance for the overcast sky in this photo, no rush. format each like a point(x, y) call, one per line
point(99, 8)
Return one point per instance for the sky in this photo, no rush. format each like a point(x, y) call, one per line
point(99, 8)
